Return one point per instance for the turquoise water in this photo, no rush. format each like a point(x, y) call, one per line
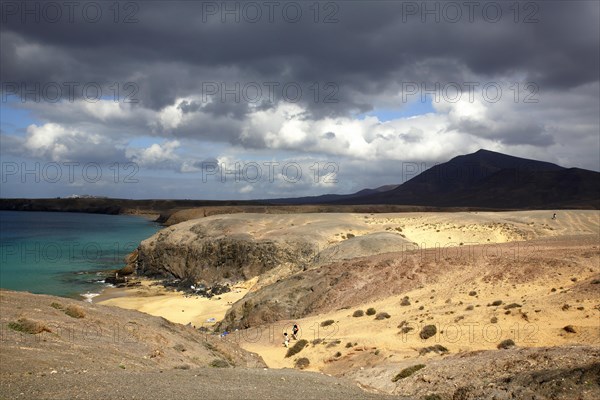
point(64, 254)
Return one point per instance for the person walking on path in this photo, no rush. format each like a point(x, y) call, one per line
point(286, 340)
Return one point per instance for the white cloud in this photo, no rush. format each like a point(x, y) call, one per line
point(155, 155)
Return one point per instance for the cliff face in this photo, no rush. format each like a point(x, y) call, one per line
point(211, 249)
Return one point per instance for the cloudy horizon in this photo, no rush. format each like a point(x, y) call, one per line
point(253, 100)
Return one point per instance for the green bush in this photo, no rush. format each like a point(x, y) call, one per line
point(406, 372)
point(405, 301)
point(328, 322)
point(371, 311)
point(297, 347)
point(56, 305)
point(358, 313)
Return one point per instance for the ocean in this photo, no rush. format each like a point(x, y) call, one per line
point(65, 254)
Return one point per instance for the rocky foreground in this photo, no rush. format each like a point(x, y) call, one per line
point(56, 348)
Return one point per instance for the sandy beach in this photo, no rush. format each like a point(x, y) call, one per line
point(152, 298)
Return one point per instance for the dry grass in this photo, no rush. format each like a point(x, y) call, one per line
point(74, 311)
point(28, 326)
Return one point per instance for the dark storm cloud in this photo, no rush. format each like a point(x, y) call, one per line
point(176, 47)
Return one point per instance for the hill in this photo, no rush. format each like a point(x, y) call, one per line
point(484, 179)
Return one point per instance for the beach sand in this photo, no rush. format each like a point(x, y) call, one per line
point(152, 298)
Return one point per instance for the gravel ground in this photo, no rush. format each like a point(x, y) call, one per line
point(204, 383)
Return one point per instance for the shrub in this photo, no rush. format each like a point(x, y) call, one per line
point(405, 301)
point(438, 348)
point(349, 235)
point(328, 322)
point(494, 320)
point(74, 311)
point(432, 397)
point(348, 345)
point(358, 313)
point(218, 363)
point(428, 331)
point(337, 355)
point(496, 303)
point(570, 329)
point(406, 329)
point(302, 363)
point(334, 343)
point(182, 366)
point(382, 315)
point(469, 308)
point(28, 326)
point(505, 344)
point(297, 347)
point(512, 305)
point(371, 311)
point(56, 305)
point(472, 293)
point(406, 372)
point(179, 347)
point(317, 341)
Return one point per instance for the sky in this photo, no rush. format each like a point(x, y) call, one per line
point(255, 100)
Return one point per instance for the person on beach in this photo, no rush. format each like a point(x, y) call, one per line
point(295, 330)
point(554, 216)
point(286, 340)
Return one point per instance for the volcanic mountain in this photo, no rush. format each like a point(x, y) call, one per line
point(483, 179)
